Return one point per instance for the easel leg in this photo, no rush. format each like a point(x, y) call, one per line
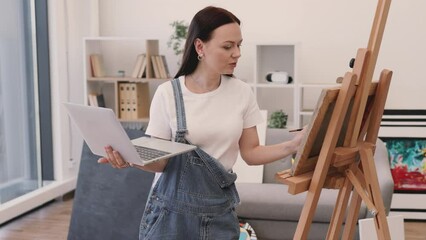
point(352, 217)
point(339, 211)
point(353, 211)
point(373, 190)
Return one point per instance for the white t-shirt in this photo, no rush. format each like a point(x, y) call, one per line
point(215, 120)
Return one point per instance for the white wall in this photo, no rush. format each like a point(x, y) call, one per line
point(329, 32)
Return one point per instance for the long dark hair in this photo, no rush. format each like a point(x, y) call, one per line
point(202, 26)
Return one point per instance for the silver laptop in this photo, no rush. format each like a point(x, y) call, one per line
point(100, 127)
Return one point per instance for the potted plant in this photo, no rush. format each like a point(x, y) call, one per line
point(278, 119)
point(178, 37)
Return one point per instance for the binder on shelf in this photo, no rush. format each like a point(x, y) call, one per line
point(133, 100)
point(139, 98)
point(96, 64)
point(128, 101)
point(122, 98)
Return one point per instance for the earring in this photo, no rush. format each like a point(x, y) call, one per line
point(200, 57)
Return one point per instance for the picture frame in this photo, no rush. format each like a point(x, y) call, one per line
point(407, 157)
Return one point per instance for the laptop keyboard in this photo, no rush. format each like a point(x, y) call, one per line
point(147, 154)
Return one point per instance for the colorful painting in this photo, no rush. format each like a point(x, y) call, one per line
point(407, 157)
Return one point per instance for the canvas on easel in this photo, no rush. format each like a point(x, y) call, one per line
point(306, 159)
point(337, 151)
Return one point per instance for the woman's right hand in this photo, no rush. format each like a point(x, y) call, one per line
point(298, 137)
point(114, 159)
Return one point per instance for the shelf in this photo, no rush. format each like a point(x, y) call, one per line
point(273, 85)
point(115, 60)
point(287, 128)
point(318, 85)
point(143, 120)
point(97, 39)
point(123, 79)
point(116, 79)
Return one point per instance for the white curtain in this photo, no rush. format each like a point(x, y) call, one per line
point(15, 156)
point(3, 155)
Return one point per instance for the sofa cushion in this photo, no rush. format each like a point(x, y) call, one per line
point(273, 202)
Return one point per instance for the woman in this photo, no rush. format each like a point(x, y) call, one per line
point(195, 195)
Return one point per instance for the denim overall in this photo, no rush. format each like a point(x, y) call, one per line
point(194, 198)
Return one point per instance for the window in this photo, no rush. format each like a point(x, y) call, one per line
point(26, 159)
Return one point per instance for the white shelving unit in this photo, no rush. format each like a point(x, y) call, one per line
point(297, 99)
point(119, 55)
point(277, 96)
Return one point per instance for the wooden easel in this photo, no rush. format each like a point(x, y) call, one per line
point(351, 116)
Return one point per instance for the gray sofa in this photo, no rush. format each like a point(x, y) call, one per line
point(274, 213)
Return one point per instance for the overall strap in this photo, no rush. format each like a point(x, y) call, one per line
point(180, 111)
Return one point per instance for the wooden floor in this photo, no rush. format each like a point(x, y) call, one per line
point(51, 222)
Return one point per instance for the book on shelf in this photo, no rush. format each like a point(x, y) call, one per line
point(96, 64)
point(142, 69)
point(96, 100)
point(140, 66)
point(161, 67)
point(152, 47)
point(137, 66)
point(92, 100)
point(166, 67)
point(101, 100)
point(155, 66)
